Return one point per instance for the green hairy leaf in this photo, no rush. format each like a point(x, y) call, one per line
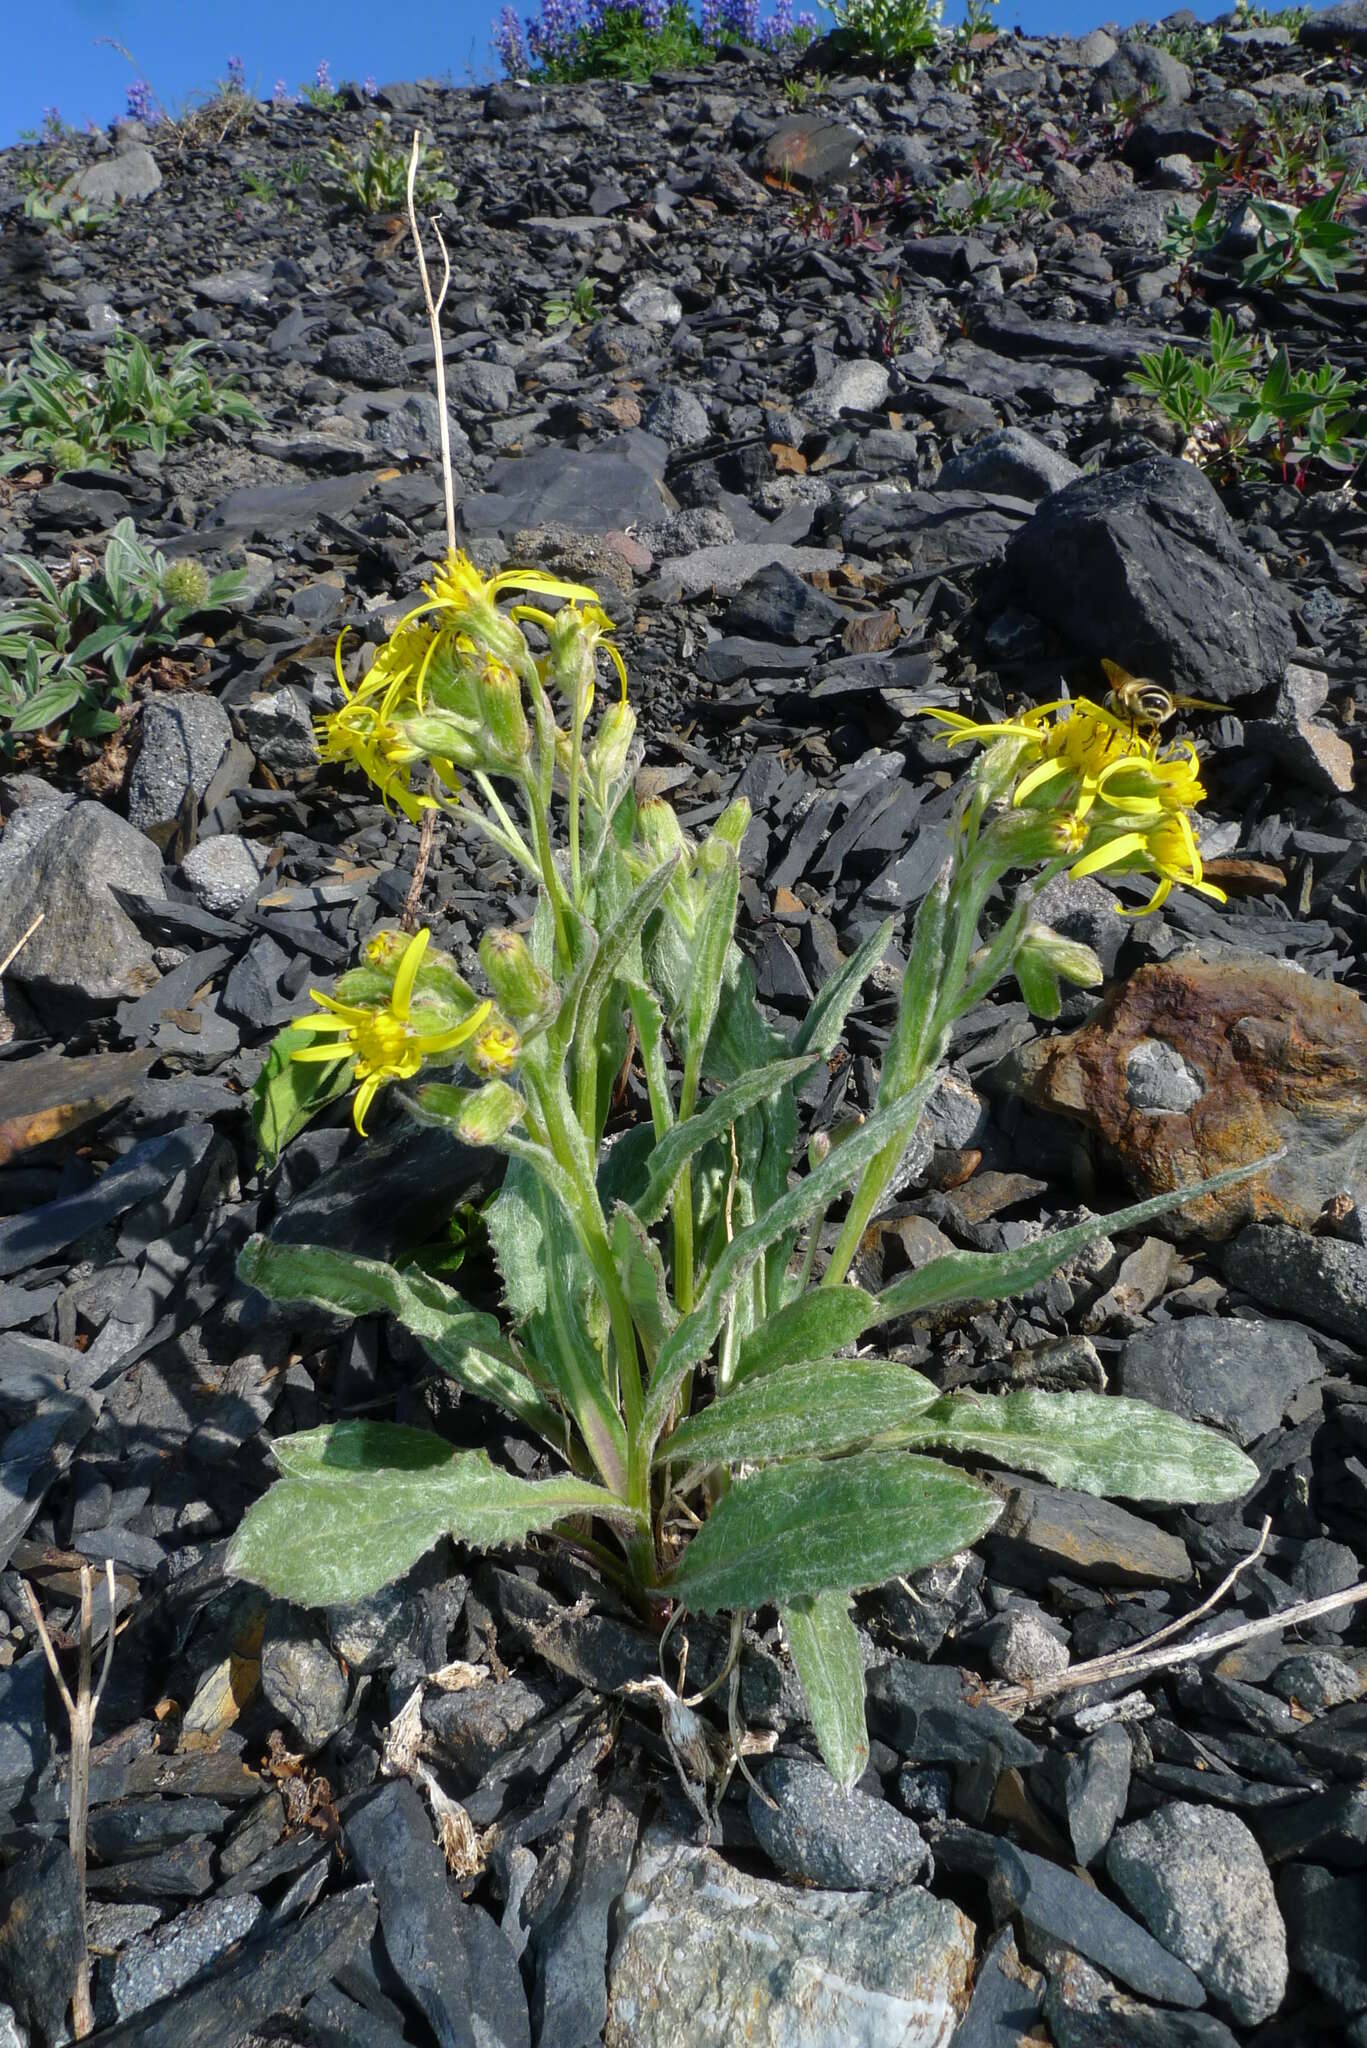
point(817, 1324)
point(463, 1341)
point(826, 1407)
point(825, 1652)
point(833, 1525)
point(820, 1029)
point(1101, 1443)
point(362, 1502)
point(685, 1140)
point(289, 1093)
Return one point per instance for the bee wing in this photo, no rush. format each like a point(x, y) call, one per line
point(1117, 675)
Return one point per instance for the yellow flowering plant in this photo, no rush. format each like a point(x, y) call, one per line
point(721, 1432)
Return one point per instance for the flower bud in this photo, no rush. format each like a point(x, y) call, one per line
point(66, 453)
point(478, 1116)
point(524, 990)
point(185, 586)
point(505, 721)
point(571, 664)
point(1069, 959)
point(612, 744)
point(734, 823)
point(659, 831)
point(442, 736)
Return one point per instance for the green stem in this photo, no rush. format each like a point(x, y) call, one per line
point(515, 840)
point(576, 770)
point(683, 1241)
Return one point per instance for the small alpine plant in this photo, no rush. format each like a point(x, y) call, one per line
point(680, 1330)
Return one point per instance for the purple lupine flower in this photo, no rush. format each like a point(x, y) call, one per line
point(237, 75)
point(282, 95)
point(510, 45)
point(322, 77)
point(653, 14)
point(140, 103)
point(711, 22)
point(806, 21)
point(53, 124)
point(742, 20)
point(778, 29)
point(370, 88)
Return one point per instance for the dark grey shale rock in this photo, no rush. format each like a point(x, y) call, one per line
point(1326, 1924)
point(777, 605)
point(182, 741)
point(1007, 1996)
point(371, 359)
point(1009, 464)
point(300, 1676)
point(745, 1959)
point(40, 1938)
point(1335, 26)
point(141, 1175)
point(264, 1977)
point(569, 1945)
point(450, 1958)
point(1046, 1529)
point(1083, 2009)
point(843, 1841)
point(86, 954)
point(1320, 1278)
point(1136, 65)
point(1198, 1878)
point(1096, 1785)
point(617, 484)
point(1146, 558)
point(156, 1965)
point(1242, 1376)
point(279, 729)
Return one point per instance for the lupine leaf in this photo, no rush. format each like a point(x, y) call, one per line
point(829, 1525)
point(825, 1652)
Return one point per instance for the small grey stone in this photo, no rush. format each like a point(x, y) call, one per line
point(1321, 1278)
point(279, 729)
point(87, 953)
point(1196, 1876)
point(822, 1835)
point(709, 1953)
point(10, 2036)
point(413, 428)
point(300, 1676)
point(1022, 1647)
point(1095, 1788)
point(1011, 462)
point(1317, 1680)
point(652, 305)
point(679, 417)
point(224, 873)
point(485, 387)
point(1239, 1375)
point(157, 1965)
point(860, 385)
point(129, 173)
point(183, 740)
point(1159, 1079)
point(371, 359)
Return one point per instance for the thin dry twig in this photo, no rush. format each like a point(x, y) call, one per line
point(17, 948)
point(413, 900)
point(1156, 1653)
point(80, 1712)
point(434, 307)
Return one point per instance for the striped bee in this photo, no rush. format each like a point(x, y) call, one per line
point(1147, 705)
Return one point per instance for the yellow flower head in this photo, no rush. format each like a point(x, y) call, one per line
point(495, 1050)
point(366, 729)
point(388, 1044)
point(460, 600)
point(1166, 847)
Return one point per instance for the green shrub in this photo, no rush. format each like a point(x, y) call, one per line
point(67, 650)
point(53, 412)
point(373, 177)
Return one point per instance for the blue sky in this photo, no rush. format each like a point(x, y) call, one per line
point(52, 54)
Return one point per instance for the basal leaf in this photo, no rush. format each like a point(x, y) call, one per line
point(823, 1408)
point(462, 1341)
point(825, 1651)
point(350, 1526)
point(1102, 1443)
point(829, 1525)
point(289, 1093)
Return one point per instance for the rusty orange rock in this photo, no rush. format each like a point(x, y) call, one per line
point(1195, 1066)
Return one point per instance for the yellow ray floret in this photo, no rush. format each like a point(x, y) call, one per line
point(388, 1044)
point(1166, 848)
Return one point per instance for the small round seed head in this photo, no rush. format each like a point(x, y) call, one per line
point(185, 586)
